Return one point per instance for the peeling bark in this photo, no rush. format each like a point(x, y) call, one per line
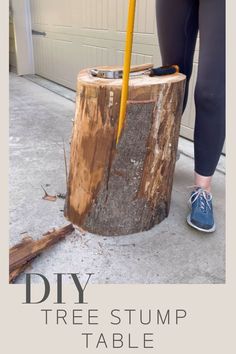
point(22, 254)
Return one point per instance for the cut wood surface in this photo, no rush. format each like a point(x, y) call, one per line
point(119, 190)
point(24, 252)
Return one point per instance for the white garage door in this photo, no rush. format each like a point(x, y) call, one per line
point(85, 33)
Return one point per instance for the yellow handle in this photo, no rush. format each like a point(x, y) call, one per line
point(126, 70)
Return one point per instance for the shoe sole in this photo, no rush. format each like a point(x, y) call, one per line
point(199, 228)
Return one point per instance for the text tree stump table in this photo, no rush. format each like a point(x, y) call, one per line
point(123, 189)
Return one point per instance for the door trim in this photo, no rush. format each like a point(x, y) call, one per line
point(23, 37)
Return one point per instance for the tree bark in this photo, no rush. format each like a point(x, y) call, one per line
point(22, 254)
point(123, 189)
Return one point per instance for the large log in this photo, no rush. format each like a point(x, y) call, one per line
point(124, 189)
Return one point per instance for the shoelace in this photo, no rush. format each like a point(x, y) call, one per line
point(204, 197)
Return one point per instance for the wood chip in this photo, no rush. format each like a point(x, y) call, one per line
point(50, 198)
point(22, 254)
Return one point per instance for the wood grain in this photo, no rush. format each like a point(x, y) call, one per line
point(124, 189)
point(22, 254)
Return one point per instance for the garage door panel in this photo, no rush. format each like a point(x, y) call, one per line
point(186, 132)
point(43, 56)
point(95, 14)
point(86, 33)
point(115, 26)
point(188, 118)
point(144, 19)
point(145, 24)
point(137, 58)
point(35, 12)
point(61, 13)
point(63, 59)
point(39, 15)
point(141, 54)
point(95, 55)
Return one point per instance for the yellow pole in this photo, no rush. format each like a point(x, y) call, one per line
point(126, 69)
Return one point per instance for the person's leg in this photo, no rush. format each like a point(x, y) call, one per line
point(177, 26)
point(209, 132)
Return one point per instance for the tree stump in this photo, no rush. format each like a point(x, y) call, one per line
point(123, 189)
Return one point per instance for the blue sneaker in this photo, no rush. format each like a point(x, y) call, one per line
point(201, 215)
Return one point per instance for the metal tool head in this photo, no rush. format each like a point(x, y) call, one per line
point(117, 72)
point(106, 74)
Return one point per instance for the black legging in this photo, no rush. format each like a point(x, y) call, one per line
point(178, 22)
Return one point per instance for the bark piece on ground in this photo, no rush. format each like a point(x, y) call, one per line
point(22, 254)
